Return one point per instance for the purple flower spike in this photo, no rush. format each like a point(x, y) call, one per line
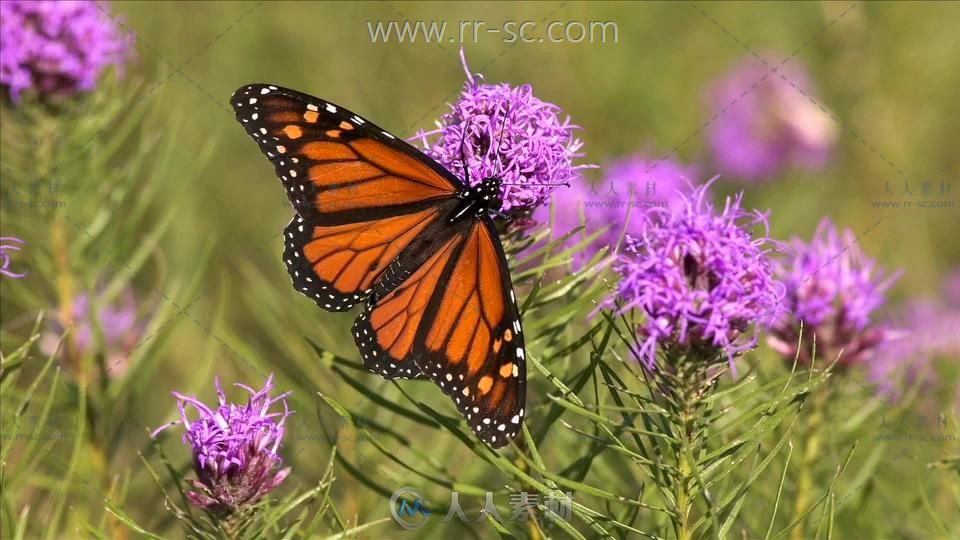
point(58, 48)
point(235, 448)
point(118, 321)
point(630, 187)
point(509, 134)
point(773, 126)
point(834, 289)
point(700, 279)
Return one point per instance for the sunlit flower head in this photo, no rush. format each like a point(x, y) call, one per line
point(834, 290)
point(510, 134)
point(630, 187)
point(58, 48)
point(767, 123)
point(699, 278)
point(235, 447)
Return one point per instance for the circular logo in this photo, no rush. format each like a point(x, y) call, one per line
point(405, 509)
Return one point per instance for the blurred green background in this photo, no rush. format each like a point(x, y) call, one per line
point(888, 71)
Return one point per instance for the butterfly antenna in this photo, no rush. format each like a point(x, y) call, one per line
point(503, 125)
point(463, 155)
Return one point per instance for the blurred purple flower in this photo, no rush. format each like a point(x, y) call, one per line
point(58, 48)
point(926, 330)
point(510, 134)
point(630, 187)
point(8, 244)
point(235, 447)
point(699, 278)
point(834, 288)
point(764, 124)
point(117, 320)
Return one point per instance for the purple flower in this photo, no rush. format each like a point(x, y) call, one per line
point(234, 448)
point(833, 288)
point(630, 187)
point(57, 48)
point(510, 134)
point(770, 128)
point(117, 320)
point(926, 330)
point(8, 244)
point(700, 279)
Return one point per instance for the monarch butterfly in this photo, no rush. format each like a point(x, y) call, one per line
point(378, 221)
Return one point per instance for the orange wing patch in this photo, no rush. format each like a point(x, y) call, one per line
point(365, 172)
point(397, 316)
point(472, 306)
point(293, 131)
point(327, 151)
point(351, 257)
point(377, 192)
point(399, 164)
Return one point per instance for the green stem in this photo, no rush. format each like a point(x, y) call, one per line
point(683, 495)
point(805, 482)
point(687, 407)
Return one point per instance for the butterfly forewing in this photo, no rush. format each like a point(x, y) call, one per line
point(336, 166)
point(361, 195)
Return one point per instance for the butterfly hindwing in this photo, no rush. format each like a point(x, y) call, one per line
point(455, 319)
point(336, 266)
point(388, 331)
point(473, 346)
point(362, 195)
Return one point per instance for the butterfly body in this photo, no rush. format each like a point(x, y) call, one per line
point(381, 224)
point(479, 200)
